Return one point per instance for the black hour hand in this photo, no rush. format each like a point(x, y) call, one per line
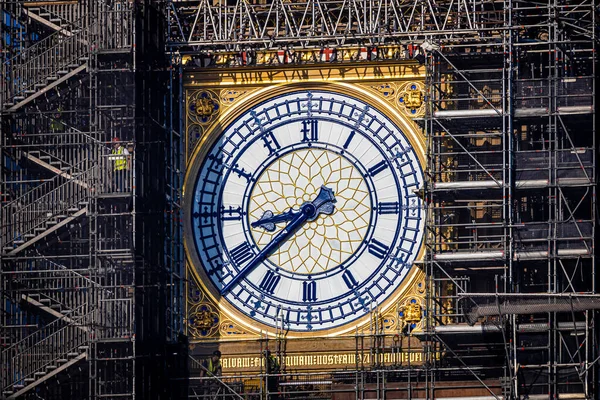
point(268, 220)
point(322, 204)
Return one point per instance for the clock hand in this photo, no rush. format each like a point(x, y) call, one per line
point(268, 220)
point(309, 211)
point(270, 248)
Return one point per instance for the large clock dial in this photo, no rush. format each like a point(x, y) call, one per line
point(304, 210)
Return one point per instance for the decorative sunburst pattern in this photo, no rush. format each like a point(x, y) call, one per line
point(296, 178)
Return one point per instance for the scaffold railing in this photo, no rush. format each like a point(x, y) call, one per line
point(38, 210)
point(55, 341)
point(42, 63)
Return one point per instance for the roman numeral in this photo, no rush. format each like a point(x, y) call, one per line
point(349, 279)
point(231, 214)
point(241, 254)
point(378, 249)
point(388, 208)
point(377, 168)
point(271, 142)
point(349, 140)
point(309, 291)
point(269, 282)
point(241, 172)
point(310, 131)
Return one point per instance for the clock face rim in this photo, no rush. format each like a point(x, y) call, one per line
point(203, 148)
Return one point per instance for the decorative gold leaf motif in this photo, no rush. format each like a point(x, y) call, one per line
point(203, 107)
point(230, 96)
point(229, 328)
point(410, 312)
point(389, 322)
point(195, 294)
point(411, 99)
point(387, 90)
point(203, 321)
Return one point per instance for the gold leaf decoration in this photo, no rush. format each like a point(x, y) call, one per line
point(203, 321)
point(230, 96)
point(387, 90)
point(203, 107)
point(230, 328)
point(411, 99)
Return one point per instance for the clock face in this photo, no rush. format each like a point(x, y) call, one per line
point(305, 213)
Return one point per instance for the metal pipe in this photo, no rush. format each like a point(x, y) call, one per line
point(499, 255)
point(519, 112)
point(488, 255)
point(531, 307)
point(466, 113)
point(572, 396)
point(521, 328)
point(473, 398)
point(530, 295)
point(521, 184)
point(533, 255)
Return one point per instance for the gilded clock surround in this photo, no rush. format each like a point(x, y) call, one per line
point(210, 319)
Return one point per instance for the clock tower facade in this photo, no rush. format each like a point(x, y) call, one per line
point(304, 215)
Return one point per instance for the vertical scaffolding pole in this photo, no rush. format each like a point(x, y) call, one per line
point(508, 198)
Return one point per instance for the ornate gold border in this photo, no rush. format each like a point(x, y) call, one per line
point(229, 114)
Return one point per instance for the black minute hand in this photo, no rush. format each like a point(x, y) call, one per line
point(309, 211)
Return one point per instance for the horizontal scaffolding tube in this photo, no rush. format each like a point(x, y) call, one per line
point(520, 184)
point(533, 306)
point(472, 398)
point(468, 185)
point(565, 396)
point(488, 255)
point(533, 255)
point(500, 255)
point(489, 328)
point(519, 112)
point(468, 113)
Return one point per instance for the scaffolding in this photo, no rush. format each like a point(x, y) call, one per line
point(511, 184)
point(82, 130)
point(511, 196)
point(91, 257)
